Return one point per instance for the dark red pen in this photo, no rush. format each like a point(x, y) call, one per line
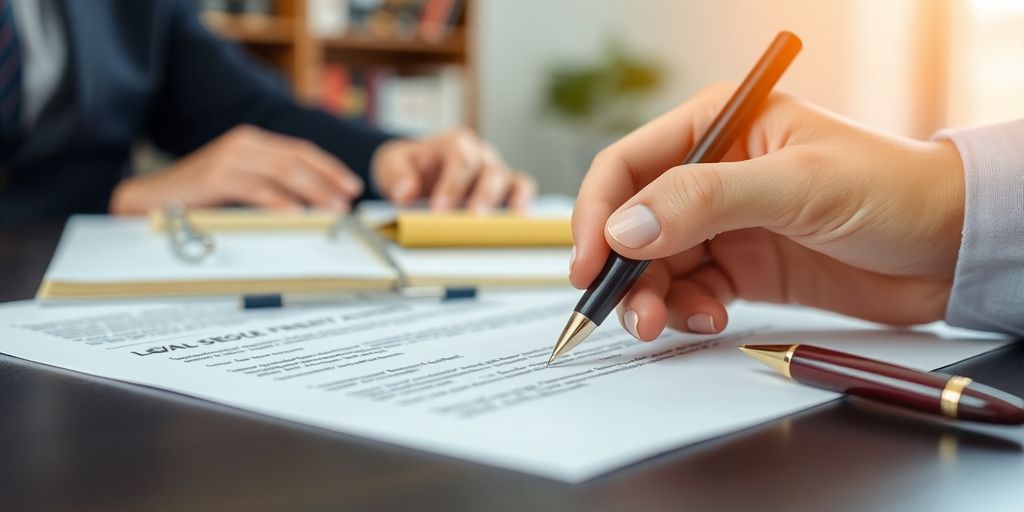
point(952, 396)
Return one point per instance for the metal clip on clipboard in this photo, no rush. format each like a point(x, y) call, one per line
point(399, 290)
point(188, 243)
point(373, 242)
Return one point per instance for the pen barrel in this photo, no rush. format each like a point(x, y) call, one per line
point(737, 113)
point(867, 378)
point(903, 386)
point(609, 287)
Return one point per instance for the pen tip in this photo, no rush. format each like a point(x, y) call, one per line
point(576, 330)
point(776, 357)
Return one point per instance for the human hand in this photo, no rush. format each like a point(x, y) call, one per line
point(805, 209)
point(449, 169)
point(246, 165)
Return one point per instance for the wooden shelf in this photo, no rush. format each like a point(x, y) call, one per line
point(285, 41)
point(453, 46)
point(251, 29)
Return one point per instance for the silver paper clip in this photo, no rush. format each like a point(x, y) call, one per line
point(188, 243)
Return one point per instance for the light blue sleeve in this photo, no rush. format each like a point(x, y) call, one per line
point(988, 287)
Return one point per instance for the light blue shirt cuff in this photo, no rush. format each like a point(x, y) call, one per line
point(988, 287)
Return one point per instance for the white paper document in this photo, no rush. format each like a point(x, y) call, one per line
point(107, 249)
point(468, 379)
point(104, 251)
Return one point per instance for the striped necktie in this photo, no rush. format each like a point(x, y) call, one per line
point(10, 75)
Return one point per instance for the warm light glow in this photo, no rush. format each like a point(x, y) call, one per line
point(986, 75)
point(994, 8)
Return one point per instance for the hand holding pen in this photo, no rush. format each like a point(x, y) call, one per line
point(805, 208)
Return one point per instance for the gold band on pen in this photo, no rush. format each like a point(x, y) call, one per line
point(787, 359)
point(949, 400)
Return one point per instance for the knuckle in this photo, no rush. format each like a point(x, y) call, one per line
point(242, 132)
point(491, 154)
point(605, 158)
point(784, 99)
point(809, 182)
point(464, 135)
point(695, 190)
point(465, 144)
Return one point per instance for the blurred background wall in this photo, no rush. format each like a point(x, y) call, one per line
point(906, 67)
point(902, 66)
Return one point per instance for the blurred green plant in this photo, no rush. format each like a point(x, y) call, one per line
point(603, 96)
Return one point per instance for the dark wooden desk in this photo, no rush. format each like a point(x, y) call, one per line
point(72, 442)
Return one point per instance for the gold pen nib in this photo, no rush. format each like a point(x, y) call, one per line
point(775, 356)
point(576, 330)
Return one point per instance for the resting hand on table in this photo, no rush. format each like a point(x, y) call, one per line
point(255, 167)
point(805, 209)
point(450, 169)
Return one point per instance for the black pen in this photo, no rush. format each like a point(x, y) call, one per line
point(619, 273)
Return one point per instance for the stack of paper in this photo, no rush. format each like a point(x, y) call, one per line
point(110, 257)
point(101, 256)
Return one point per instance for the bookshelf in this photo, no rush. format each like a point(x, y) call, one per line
point(283, 35)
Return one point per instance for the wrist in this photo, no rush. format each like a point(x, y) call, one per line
point(947, 200)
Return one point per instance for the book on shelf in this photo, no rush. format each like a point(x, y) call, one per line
point(438, 19)
point(411, 104)
point(405, 20)
point(239, 7)
point(328, 18)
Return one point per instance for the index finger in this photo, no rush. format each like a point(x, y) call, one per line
point(622, 169)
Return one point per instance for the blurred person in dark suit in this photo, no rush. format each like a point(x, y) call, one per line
point(82, 82)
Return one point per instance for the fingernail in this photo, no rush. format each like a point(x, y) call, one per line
point(630, 321)
point(702, 323)
point(634, 227)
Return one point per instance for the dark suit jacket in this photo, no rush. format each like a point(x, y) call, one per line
point(147, 68)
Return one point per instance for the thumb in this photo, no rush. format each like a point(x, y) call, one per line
point(690, 204)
